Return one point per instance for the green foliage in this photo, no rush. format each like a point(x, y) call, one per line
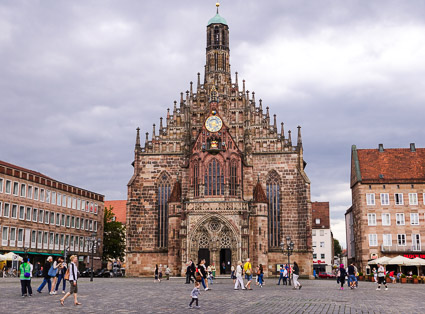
point(415, 276)
point(403, 276)
point(113, 237)
point(360, 274)
point(337, 248)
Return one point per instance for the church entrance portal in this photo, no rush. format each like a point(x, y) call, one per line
point(204, 254)
point(225, 261)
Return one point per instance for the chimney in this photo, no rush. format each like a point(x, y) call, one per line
point(381, 148)
point(412, 147)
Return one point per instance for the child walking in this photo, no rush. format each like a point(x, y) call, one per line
point(194, 294)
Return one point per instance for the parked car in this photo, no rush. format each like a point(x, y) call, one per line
point(326, 275)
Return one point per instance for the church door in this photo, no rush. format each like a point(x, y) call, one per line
point(225, 261)
point(204, 254)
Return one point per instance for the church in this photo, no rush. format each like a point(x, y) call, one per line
point(218, 180)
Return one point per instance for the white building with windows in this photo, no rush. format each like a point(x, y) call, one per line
point(387, 216)
point(322, 238)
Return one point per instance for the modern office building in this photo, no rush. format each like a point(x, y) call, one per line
point(41, 216)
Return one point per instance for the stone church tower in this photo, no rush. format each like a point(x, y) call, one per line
point(217, 180)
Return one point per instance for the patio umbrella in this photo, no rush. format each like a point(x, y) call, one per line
point(418, 261)
point(12, 257)
point(2, 258)
point(399, 260)
point(382, 260)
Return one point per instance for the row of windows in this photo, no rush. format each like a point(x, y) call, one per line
point(322, 255)
point(399, 221)
point(322, 232)
point(46, 196)
point(398, 199)
point(401, 240)
point(36, 239)
point(47, 217)
point(322, 244)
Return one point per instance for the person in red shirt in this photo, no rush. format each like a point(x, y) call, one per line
point(392, 277)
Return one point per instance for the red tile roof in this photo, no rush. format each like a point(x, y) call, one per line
point(320, 210)
point(119, 209)
point(392, 165)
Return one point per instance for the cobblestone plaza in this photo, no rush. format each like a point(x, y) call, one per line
point(127, 295)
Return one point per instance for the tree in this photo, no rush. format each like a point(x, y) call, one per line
point(113, 237)
point(337, 248)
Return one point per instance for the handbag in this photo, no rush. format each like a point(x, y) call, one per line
point(27, 275)
point(52, 272)
point(198, 276)
point(66, 277)
point(248, 272)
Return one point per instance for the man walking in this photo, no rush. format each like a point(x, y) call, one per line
point(351, 276)
point(282, 276)
point(247, 268)
point(239, 280)
point(46, 276)
point(381, 277)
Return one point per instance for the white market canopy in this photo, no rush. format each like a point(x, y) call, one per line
point(12, 257)
point(382, 260)
point(401, 261)
point(2, 258)
point(418, 261)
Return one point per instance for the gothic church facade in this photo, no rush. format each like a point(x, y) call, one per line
point(218, 180)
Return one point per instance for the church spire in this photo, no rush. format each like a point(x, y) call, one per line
point(138, 137)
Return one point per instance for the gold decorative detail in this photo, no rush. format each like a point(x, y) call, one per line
point(213, 124)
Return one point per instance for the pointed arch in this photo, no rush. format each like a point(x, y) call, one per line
point(164, 191)
point(233, 177)
point(274, 207)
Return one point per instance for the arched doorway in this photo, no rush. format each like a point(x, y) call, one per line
point(215, 240)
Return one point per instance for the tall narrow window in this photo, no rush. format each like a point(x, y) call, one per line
point(214, 179)
point(273, 195)
point(196, 178)
point(233, 178)
point(164, 191)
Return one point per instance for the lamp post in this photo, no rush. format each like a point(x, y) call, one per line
point(92, 239)
point(289, 250)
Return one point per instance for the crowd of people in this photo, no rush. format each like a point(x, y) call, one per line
point(351, 274)
point(54, 272)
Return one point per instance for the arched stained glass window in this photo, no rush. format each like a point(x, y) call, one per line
point(164, 191)
point(214, 178)
point(196, 178)
point(273, 196)
point(233, 178)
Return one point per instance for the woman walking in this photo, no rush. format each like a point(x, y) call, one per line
point(25, 277)
point(239, 280)
point(233, 274)
point(260, 275)
point(46, 276)
point(54, 270)
point(73, 276)
point(342, 274)
point(295, 275)
point(156, 273)
point(60, 275)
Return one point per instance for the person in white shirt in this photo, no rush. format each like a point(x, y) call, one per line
point(381, 277)
point(239, 280)
point(73, 277)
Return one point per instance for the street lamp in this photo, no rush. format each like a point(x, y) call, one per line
point(289, 250)
point(94, 242)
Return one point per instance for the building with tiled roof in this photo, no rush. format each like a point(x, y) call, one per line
point(322, 237)
point(387, 216)
point(119, 209)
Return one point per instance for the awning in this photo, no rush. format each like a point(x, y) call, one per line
point(37, 253)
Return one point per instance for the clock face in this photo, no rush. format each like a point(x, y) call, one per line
point(213, 124)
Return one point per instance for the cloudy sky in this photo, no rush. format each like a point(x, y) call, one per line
point(77, 78)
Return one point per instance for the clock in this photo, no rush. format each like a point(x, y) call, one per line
point(213, 124)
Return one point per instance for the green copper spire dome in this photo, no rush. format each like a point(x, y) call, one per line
point(217, 19)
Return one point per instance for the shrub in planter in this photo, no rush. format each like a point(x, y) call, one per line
point(415, 278)
point(403, 278)
point(360, 276)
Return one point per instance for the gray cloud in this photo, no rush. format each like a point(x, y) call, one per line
point(78, 77)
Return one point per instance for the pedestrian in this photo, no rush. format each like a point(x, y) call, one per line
point(233, 274)
point(188, 273)
point(239, 280)
point(213, 269)
point(260, 275)
point(375, 274)
point(61, 275)
point(54, 269)
point(351, 276)
point(295, 275)
point(25, 277)
point(342, 274)
point(46, 275)
point(160, 272)
point(37, 269)
point(257, 270)
point(167, 272)
point(391, 275)
point(247, 268)
point(73, 277)
point(210, 276)
point(223, 268)
point(156, 273)
point(203, 270)
point(398, 276)
point(195, 294)
point(381, 277)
